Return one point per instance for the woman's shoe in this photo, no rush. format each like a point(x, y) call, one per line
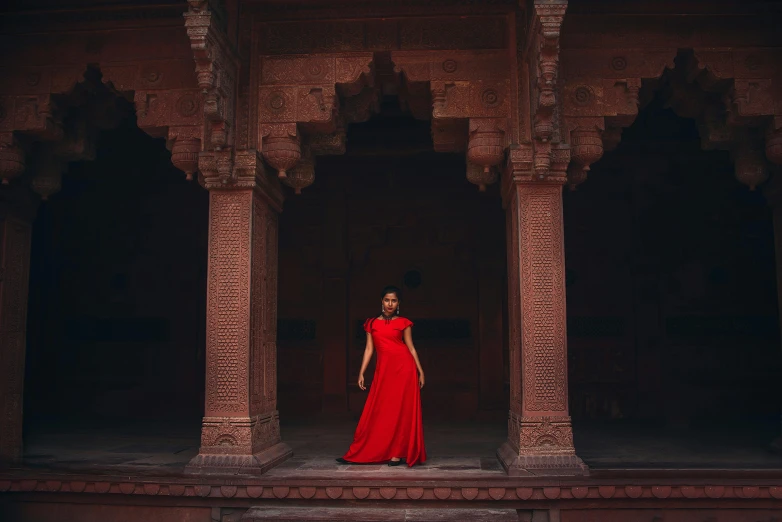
point(343, 461)
point(396, 462)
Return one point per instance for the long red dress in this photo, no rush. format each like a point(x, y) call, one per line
point(390, 425)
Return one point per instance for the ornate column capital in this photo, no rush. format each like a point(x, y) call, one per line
point(242, 170)
point(470, 91)
point(521, 167)
point(300, 95)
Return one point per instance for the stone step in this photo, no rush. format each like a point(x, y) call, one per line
point(377, 514)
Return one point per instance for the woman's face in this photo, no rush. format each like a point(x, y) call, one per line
point(390, 303)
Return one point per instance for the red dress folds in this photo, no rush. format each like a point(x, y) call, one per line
point(390, 425)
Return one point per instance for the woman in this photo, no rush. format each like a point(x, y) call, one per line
point(390, 427)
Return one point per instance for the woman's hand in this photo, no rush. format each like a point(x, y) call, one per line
point(361, 382)
point(420, 380)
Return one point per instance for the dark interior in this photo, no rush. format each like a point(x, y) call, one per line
point(672, 312)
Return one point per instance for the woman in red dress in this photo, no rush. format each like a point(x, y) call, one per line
point(390, 429)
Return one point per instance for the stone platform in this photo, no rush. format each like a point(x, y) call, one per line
point(130, 473)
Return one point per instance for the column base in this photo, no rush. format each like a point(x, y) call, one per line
point(540, 446)
point(256, 464)
point(540, 465)
point(239, 445)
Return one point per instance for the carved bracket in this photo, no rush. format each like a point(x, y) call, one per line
point(29, 114)
point(522, 166)
point(470, 97)
point(602, 106)
point(755, 76)
point(595, 111)
point(543, 50)
point(216, 68)
point(300, 96)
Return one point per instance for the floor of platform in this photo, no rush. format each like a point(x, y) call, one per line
point(458, 450)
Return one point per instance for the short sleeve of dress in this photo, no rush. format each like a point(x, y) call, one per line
point(368, 325)
point(406, 323)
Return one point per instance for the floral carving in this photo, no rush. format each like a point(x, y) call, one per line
point(187, 105)
point(450, 66)
point(618, 63)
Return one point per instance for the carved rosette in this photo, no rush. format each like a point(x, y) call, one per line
point(751, 168)
point(11, 159)
point(302, 175)
point(586, 146)
point(478, 175)
point(184, 155)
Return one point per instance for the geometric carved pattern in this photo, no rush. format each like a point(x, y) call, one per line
point(270, 308)
point(543, 317)
point(609, 493)
point(514, 305)
point(228, 301)
point(257, 318)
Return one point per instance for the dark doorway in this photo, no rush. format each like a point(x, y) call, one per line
point(391, 211)
point(672, 305)
point(117, 285)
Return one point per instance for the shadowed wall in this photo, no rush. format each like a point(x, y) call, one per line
point(117, 305)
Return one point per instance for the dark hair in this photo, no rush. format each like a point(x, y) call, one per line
point(392, 290)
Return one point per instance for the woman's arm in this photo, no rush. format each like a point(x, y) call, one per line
point(408, 336)
point(368, 351)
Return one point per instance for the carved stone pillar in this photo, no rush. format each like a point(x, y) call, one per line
point(16, 215)
point(241, 430)
point(773, 193)
point(540, 437)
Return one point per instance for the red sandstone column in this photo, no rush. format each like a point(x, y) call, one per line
point(773, 193)
point(540, 437)
point(241, 429)
point(15, 232)
point(776, 445)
